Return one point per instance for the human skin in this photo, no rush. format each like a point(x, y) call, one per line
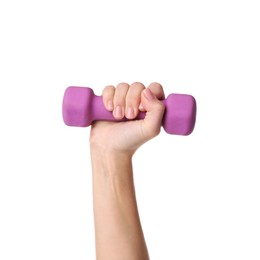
point(118, 230)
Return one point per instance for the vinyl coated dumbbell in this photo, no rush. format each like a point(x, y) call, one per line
point(81, 107)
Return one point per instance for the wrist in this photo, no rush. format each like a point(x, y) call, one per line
point(112, 173)
point(110, 162)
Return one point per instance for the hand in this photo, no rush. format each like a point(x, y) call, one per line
point(126, 101)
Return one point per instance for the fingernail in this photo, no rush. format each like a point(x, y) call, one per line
point(148, 94)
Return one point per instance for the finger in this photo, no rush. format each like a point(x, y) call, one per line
point(157, 90)
point(155, 110)
point(119, 100)
point(133, 100)
point(108, 97)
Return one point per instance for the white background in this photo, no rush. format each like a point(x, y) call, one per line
point(199, 196)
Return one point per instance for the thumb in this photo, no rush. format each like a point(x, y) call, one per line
point(154, 113)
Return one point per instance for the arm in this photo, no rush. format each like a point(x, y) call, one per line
point(117, 226)
point(118, 229)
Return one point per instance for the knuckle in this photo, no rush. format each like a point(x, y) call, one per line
point(137, 85)
point(108, 91)
point(157, 89)
point(156, 85)
point(122, 85)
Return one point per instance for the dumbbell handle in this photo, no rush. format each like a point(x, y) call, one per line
point(81, 107)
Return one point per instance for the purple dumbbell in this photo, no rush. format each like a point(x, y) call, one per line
point(81, 107)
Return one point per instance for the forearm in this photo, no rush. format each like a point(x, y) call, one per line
point(117, 224)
